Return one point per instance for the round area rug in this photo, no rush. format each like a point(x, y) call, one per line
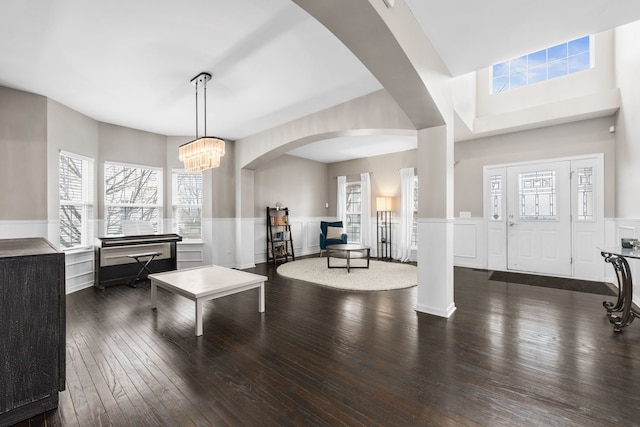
point(380, 276)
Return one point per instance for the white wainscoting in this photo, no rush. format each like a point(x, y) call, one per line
point(616, 229)
point(305, 232)
point(79, 269)
point(21, 229)
point(435, 273)
point(469, 243)
point(306, 237)
point(220, 247)
point(190, 254)
point(79, 264)
point(244, 246)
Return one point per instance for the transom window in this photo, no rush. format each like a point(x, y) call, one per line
point(76, 200)
point(187, 204)
point(354, 211)
point(546, 64)
point(132, 193)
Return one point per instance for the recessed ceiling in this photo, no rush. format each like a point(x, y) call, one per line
point(130, 62)
point(352, 147)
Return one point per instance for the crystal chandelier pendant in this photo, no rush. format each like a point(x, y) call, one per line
point(204, 152)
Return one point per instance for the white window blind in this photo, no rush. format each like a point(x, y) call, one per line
point(354, 211)
point(132, 193)
point(76, 200)
point(187, 204)
point(414, 223)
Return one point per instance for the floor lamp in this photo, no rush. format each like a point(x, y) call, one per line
point(384, 207)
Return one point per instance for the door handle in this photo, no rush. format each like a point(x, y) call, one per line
point(511, 224)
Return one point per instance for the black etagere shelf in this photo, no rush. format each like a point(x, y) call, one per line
point(279, 238)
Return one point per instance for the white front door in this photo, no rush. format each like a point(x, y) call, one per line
point(539, 218)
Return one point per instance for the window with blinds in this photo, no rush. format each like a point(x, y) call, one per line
point(187, 204)
point(354, 212)
point(132, 193)
point(414, 226)
point(75, 179)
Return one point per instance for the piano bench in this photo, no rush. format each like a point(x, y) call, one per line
point(137, 257)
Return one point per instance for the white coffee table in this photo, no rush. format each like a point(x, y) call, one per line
point(206, 283)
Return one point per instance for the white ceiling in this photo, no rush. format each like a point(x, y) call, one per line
point(130, 62)
point(470, 35)
point(354, 147)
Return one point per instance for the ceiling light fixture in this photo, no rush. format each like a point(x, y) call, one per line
point(204, 152)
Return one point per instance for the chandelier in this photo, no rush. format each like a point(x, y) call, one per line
point(204, 152)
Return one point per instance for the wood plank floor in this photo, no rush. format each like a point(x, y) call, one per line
point(511, 355)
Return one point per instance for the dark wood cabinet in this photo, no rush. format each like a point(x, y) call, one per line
point(32, 328)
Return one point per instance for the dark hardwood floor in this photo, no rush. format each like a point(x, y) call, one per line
point(511, 355)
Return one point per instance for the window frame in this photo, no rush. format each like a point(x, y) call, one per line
point(175, 205)
point(159, 199)
point(414, 225)
point(85, 204)
point(522, 70)
point(349, 228)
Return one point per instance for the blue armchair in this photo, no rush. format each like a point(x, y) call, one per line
point(324, 240)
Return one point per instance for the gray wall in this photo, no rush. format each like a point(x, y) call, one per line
point(73, 132)
point(23, 163)
point(385, 176)
point(223, 194)
point(573, 139)
point(126, 145)
point(298, 183)
point(627, 124)
point(218, 184)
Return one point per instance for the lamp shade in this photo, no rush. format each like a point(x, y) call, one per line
point(202, 153)
point(384, 203)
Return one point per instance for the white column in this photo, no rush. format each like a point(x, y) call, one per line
point(435, 221)
point(245, 214)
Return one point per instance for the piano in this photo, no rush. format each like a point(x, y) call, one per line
point(115, 257)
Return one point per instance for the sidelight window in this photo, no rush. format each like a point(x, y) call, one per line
point(496, 197)
point(585, 193)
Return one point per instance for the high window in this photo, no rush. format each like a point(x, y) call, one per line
point(354, 211)
point(132, 193)
point(187, 204)
point(76, 200)
point(546, 64)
